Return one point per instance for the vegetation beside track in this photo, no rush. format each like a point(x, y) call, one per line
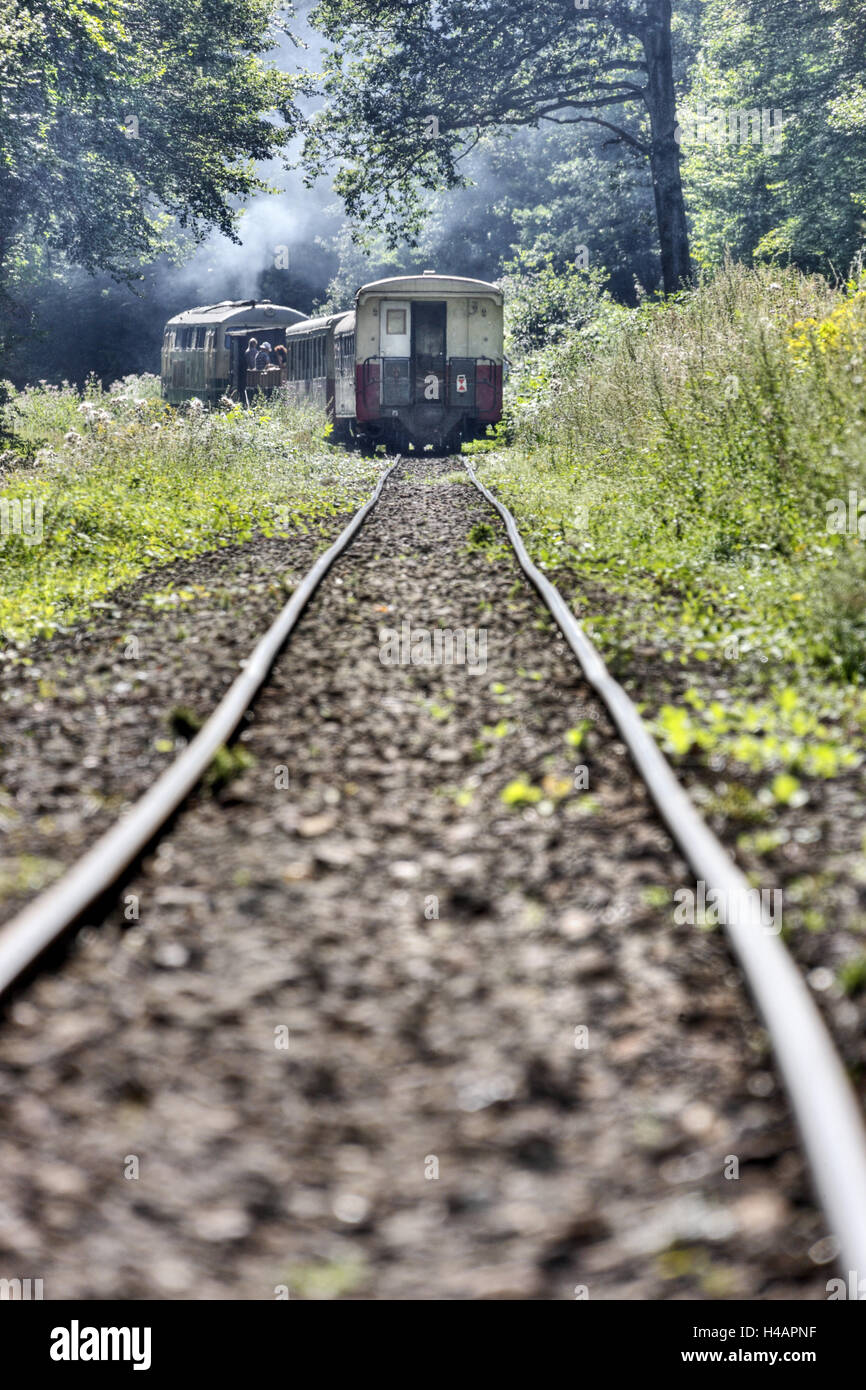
point(679, 469)
point(116, 482)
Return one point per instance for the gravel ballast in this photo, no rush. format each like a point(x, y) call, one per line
point(391, 1014)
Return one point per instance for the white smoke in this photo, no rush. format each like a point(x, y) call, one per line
point(276, 230)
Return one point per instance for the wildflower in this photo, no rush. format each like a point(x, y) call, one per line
point(72, 437)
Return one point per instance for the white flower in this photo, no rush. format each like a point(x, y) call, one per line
point(73, 437)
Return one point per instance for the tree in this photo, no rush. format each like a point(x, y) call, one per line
point(412, 85)
point(119, 115)
point(800, 197)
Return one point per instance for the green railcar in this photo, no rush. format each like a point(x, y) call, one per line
point(204, 350)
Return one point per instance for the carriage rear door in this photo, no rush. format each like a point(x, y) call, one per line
point(395, 336)
point(428, 351)
point(235, 341)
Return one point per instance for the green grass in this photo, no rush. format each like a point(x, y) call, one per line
point(127, 483)
point(674, 468)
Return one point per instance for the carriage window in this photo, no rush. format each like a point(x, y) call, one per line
point(395, 321)
point(199, 337)
point(345, 350)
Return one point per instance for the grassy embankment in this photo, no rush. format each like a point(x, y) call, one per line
point(674, 469)
point(127, 483)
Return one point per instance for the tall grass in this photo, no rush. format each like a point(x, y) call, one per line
point(689, 451)
point(125, 483)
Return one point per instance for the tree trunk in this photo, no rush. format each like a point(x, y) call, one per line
point(665, 153)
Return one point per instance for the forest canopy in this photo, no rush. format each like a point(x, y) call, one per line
point(125, 126)
point(446, 133)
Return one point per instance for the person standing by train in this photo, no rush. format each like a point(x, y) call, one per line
point(251, 354)
point(263, 357)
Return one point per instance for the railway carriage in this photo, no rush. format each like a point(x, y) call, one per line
point(418, 362)
point(311, 362)
point(427, 360)
point(203, 350)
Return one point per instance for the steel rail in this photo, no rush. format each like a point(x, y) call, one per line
point(822, 1099)
point(24, 937)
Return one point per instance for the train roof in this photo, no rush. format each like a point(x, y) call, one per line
point(413, 286)
point(316, 325)
point(252, 313)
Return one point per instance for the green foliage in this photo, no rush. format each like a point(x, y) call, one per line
point(127, 484)
point(411, 89)
point(802, 198)
point(520, 792)
point(683, 459)
point(227, 765)
point(117, 117)
point(779, 732)
point(544, 305)
point(852, 976)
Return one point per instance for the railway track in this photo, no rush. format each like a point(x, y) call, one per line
point(823, 1104)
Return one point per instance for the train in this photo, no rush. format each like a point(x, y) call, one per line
point(417, 363)
point(203, 349)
